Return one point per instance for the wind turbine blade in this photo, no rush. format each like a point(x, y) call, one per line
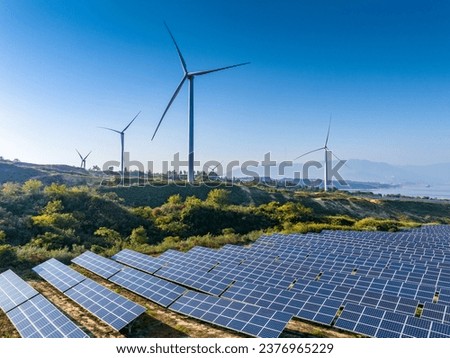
point(170, 103)
point(183, 63)
point(198, 73)
point(129, 124)
point(81, 157)
point(87, 155)
point(328, 133)
point(334, 155)
point(110, 129)
point(312, 151)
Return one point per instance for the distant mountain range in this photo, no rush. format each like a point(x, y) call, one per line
point(364, 170)
point(357, 170)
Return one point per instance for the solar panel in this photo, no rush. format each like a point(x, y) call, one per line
point(211, 283)
point(241, 317)
point(150, 287)
point(14, 291)
point(98, 264)
point(110, 307)
point(264, 296)
point(38, 318)
point(59, 275)
point(439, 330)
point(416, 327)
point(137, 260)
point(173, 257)
point(434, 311)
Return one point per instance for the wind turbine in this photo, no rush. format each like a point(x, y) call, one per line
point(190, 77)
point(122, 141)
point(328, 158)
point(83, 159)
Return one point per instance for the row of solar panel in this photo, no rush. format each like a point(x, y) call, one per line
point(31, 313)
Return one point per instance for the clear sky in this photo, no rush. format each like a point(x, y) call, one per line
point(382, 68)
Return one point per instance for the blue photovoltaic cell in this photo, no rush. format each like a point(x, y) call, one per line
point(150, 287)
point(38, 318)
point(59, 275)
point(110, 307)
point(98, 264)
point(241, 317)
point(137, 260)
point(14, 291)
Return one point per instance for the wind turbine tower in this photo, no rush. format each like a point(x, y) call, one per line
point(122, 142)
point(189, 76)
point(328, 159)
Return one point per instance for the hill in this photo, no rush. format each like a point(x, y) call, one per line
point(20, 172)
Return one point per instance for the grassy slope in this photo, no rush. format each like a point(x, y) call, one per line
point(334, 203)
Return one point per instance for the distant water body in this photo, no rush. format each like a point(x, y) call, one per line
point(436, 192)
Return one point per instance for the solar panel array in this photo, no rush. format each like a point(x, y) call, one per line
point(377, 284)
point(110, 307)
point(31, 313)
point(322, 277)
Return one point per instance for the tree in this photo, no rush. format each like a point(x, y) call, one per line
point(11, 189)
point(218, 197)
point(7, 256)
point(139, 236)
point(2, 237)
point(111, 236)
point(174, 199)
point(32, 186)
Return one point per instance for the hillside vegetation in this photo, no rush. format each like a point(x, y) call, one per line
point(39, 221)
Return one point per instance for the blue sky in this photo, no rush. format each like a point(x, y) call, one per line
point(382, 68)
